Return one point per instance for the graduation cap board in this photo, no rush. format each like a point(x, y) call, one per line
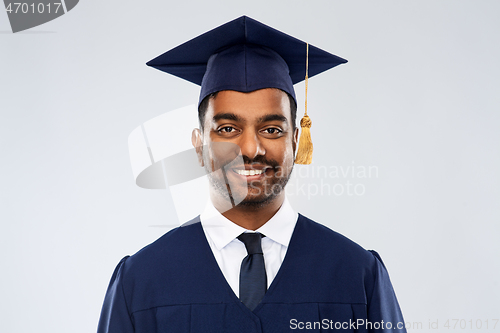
point(245, 55)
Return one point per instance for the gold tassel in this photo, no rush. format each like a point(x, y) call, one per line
point(304, 153)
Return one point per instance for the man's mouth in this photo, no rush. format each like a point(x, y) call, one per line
point(252, 172)
point(245, 172)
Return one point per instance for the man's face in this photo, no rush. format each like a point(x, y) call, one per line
point(257, 127)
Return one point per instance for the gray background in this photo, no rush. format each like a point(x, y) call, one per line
point(418, 99)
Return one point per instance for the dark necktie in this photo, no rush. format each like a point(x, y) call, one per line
point(253, 279)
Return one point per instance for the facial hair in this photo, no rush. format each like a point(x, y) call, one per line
point(219, 182)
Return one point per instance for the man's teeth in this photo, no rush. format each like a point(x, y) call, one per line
point(249, 172)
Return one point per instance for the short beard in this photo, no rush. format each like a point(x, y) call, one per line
point(276, 189)
point(224, 189)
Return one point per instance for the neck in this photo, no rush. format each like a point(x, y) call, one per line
point(248, 216)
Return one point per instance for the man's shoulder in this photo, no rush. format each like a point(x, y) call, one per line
point(175, 245)
point(322, 240)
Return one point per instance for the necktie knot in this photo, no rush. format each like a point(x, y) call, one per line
point(252, 242)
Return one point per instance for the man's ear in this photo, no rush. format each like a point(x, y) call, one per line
point(295, 139)
point(197, 141)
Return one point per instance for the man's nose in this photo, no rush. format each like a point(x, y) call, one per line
point(251, 145)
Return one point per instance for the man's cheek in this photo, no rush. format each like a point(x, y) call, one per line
point(225, 153)
point(218, 155)
point(280, 172)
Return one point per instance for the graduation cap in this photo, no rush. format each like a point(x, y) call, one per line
point(245, 55)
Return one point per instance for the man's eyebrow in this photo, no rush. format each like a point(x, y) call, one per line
point(263, 119)
point(226, 116)
point(273, 117)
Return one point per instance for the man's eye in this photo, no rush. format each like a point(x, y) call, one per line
point(273, 130)
point(226, 129)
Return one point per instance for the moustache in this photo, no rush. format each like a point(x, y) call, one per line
point(261, 160)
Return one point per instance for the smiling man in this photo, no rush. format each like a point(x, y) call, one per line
point(261, 125)
point(249, 262)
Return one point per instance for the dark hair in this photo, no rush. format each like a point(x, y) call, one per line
point(202, 109)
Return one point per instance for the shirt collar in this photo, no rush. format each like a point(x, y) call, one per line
point(222, 231)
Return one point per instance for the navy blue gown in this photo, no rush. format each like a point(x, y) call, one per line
point(325, 282)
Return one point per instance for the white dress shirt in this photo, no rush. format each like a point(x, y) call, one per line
point(229, 251)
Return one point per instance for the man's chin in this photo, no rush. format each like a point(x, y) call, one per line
point(257, 201)
point(254, 203)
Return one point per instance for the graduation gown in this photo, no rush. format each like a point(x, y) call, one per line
point(325, 282)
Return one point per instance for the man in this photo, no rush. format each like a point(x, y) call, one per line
point(249, 263)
